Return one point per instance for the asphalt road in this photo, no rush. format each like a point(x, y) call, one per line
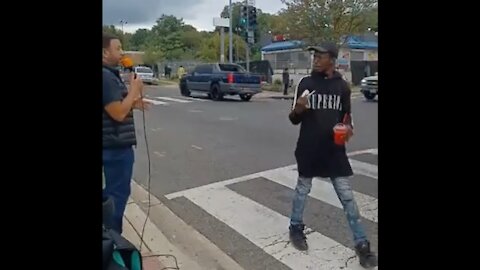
point(195, 142)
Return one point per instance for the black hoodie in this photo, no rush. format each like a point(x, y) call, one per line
point(316, 153)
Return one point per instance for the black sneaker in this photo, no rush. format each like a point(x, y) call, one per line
point(368, 259)
point(297, 237)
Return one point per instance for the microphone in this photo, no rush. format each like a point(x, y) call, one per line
point(127, 64)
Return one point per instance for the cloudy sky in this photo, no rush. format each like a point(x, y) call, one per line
point(199, 13)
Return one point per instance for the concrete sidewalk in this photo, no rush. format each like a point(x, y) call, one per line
point(167, 235)
point(132, 227)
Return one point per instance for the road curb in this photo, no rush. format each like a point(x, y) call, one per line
point(193, 245)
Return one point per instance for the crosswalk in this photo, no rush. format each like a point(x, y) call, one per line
point(257, 207)
point(166, 101)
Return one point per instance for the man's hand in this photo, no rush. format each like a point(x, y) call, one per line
point(142, 105)
point(301, 105)
point(136, 85)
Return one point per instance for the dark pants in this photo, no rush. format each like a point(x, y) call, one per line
point(285, 89)
point(118, 170)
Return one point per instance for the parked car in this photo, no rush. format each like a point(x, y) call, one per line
point(145, 73)
point(369, 87)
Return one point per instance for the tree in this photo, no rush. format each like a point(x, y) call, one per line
point(124, 37)
point(327, 20)
point(152, 56)
point(139, 38)
point(167, 24)
point(210, 48)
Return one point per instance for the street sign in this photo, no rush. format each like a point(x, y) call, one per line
point(222, 22)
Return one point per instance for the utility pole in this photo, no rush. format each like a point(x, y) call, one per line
point(222, 23)
point(247, 53)
point(222, 46)
point(230, 42)
point(122, 22)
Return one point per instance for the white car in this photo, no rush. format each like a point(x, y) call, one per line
point(145, 73)
point(369, 87)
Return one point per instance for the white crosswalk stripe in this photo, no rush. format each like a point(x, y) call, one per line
point(165, 101)
point(267, 229)
point(155, 102)
point(173, 99)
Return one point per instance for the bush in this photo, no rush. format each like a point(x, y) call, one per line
point(277, 82)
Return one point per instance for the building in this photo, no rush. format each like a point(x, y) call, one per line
point(358, 57)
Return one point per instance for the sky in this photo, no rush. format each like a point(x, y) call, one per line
point(199, 13)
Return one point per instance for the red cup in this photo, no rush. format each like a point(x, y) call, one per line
point(340, 133)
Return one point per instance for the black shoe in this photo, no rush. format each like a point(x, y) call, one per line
point(368, 259)
point(297, 237)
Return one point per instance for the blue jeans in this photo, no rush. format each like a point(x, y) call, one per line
point(118, 170)
point(344, 193)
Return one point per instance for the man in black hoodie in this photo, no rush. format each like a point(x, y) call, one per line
point(326, 104)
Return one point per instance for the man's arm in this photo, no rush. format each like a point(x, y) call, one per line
point(117, 108)
point(346, 113)
point(298, 108)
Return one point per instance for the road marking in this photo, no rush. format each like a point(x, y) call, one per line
point(226, 118)
point(357, 166)
point(155, 102)
point(324, 191)
point(197, 147)
point(364, 168)
point(195, 99)
point(156, 129)
point(173, 99)
point(225, 182)
point(195, 111)
point(159, 154)
point(266, 229)
point(373, 151)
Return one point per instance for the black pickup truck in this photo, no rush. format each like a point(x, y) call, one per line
point(219, 80)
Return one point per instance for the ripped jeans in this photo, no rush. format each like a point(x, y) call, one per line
point(344, 193)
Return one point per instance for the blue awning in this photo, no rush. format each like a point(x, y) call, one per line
point(283, 45)
point(353, 42)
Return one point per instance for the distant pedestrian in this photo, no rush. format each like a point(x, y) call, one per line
point(286, 81)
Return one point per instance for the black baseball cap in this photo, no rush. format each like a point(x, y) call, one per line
point(327, 47)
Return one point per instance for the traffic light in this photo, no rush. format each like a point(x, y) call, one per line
point(243, 17)
point(252, 17)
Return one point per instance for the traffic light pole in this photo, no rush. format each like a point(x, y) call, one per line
point(230, 34)
point(247, 53)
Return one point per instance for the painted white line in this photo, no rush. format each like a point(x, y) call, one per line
point(357, 167)
point(324, 191)
point(173, 99)
point(156, 129)
point(159, 154)
point(155, 102)
point(195, 99)
point(197, 147)
point(364, 168)
point(223, 183)
point(373, 151)
point(226, 118)
point(195, 111)
point(267, 229)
